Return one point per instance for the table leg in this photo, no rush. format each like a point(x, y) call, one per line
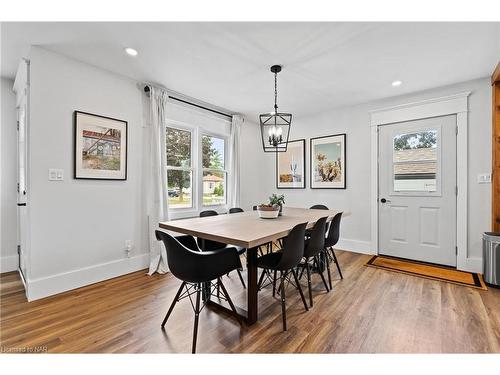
point(252, 285)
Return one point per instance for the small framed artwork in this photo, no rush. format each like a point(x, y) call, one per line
point(291, 166)
point(100, 147)
point(328, 162)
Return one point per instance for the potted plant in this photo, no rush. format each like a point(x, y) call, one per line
point(277, 200)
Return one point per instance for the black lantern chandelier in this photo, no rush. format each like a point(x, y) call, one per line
point(275, 126)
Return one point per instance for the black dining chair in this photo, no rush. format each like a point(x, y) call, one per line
point(196, 269)
point(314, 245)
point(285, 262)
point(235, 210)
point(209, 245)
point(330, 241)
point(318, 207)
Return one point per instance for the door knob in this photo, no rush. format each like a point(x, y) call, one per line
point(383, 200)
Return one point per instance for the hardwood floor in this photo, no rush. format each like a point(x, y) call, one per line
point(370, 311)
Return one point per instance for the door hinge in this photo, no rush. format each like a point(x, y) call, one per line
point(456, 250)
point(18, 125)
point(19, 249)
point(456, 190)
point(18, 187)
point(456, 130)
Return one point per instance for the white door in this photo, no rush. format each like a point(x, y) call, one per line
point(417, 190)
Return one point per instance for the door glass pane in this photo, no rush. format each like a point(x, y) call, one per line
point(213, 152)
point(214, 188)
point(178, 148)
point(179, 188)
point(415, 161)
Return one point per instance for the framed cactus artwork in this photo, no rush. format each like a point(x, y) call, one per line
point(328, 162)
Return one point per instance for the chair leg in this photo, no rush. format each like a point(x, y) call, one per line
point(226, 294)
point(241, 278)
point(173, 304)
point(328, 270)
point(300, 289)
point(337, 263)
point(218, 287)
point(283, 306)
point(308, 269)
point(274, 283)
point(320, 271)
point(261, 279)
point(196, 318)
point(302, 271)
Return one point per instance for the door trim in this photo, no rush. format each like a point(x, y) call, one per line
point(456, 104)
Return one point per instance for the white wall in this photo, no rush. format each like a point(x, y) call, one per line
point(355, 122)
point(79, 227)
point(8, 147)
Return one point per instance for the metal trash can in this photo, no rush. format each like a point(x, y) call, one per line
point(491, 258)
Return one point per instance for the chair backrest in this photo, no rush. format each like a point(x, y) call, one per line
point(293, 248)
point(197, 266)
point(334, 232)
point(316, 242)
point(208, 213)
point(319, 207)
point(181, 260)
point(208, 245)
point(235, 210)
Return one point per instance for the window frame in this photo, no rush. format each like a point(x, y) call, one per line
point(197, 132)
point(225, 138)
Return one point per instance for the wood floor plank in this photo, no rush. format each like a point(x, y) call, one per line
point(369, 311)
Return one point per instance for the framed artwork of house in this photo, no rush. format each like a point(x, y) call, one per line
point(328, 162)
point(100, 145)
point(290, 166)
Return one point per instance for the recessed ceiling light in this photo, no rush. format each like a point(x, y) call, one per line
point(131, 51)
point(397, 83)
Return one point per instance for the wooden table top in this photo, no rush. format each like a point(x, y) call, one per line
point(246, 229)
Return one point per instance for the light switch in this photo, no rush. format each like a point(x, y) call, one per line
point(56, 174)
point(484, 178)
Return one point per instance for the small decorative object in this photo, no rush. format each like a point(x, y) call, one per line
point(100, 147)
point(328, 162)
point(268, 211)
point(275, 126)
point(290, 166)
point(276, 200)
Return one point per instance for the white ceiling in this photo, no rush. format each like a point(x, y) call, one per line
point(325, 65)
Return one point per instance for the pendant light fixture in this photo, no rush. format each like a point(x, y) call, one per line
point(275, 126)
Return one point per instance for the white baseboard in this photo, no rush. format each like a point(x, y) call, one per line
point(9, 264)
point(355, 246)
point(62, 282)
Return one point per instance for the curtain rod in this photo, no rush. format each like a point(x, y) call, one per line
point(147, 90)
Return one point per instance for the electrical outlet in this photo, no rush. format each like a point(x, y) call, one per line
point(484, 178)
point(128, 247)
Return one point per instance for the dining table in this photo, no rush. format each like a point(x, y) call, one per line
point(248, 230)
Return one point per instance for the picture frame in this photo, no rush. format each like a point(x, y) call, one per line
point(100, 147)
point(291, 166)
point(328, 162)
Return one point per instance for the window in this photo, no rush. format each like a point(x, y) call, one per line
point(179, 168)
point(415, 161)
point(196, 174)
point(214, 174)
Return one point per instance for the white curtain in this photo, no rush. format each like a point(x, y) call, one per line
point(158, 190)
point(234, 157)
